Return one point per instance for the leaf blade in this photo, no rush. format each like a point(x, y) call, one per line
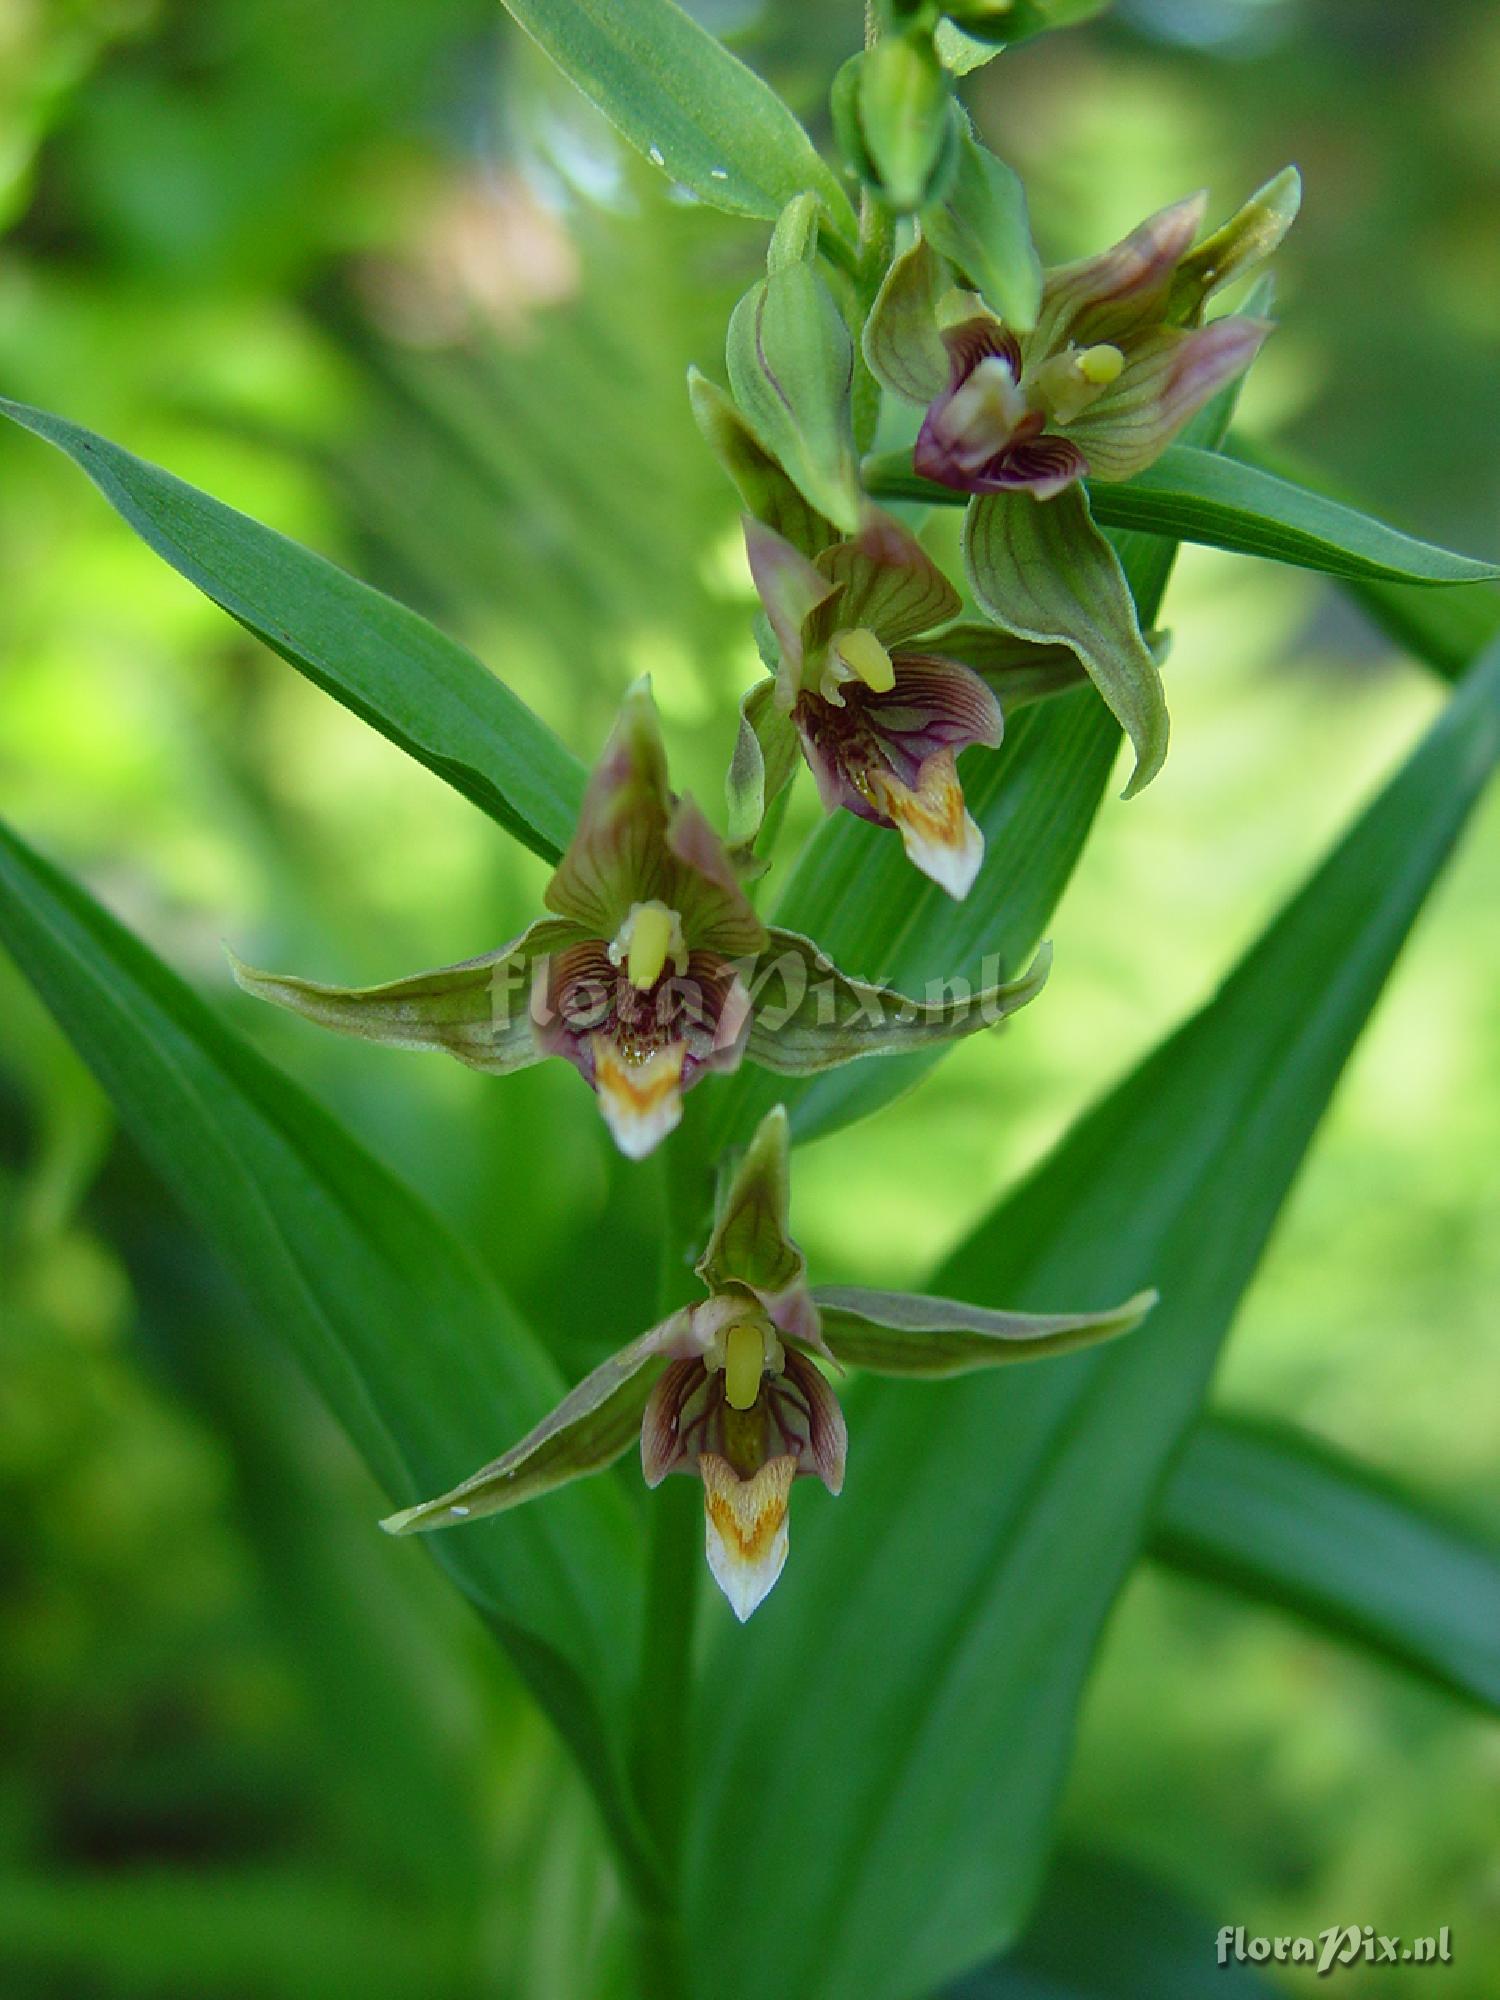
point(406, 1339)
point(680, 98)
point(393, 669)
point(959, 1743)
point(1226, 503)
point(1276, 1514)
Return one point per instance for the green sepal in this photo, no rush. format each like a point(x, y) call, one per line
point(766, 755)
point(752, 1245)
point(1044, 572)
point(478, 1011)
point(1250, 236)
point(902, 342)
point(981, 226)
point(900, 1333)
point(636, 843)
point(758, 478)
point(791, 367)
point(589, 1429)
point(903, 96)
point(809, 1016)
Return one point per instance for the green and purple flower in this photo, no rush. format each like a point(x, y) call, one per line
point(733, 1391)
point(882, 713)
point(652, 972)
point(1117, 363)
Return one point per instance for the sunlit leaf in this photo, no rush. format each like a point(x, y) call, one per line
point(684, 101)
point(989, 1522)
point(397, 672)
point(1203, 496)
point(407, 1340)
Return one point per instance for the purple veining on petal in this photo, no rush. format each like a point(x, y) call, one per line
point(578, 994)
point(1043, 465)
point(935, 705)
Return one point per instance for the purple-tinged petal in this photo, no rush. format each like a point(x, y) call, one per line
point(746, 1528)
point(792, 591)
point(667, 1432)
point(705, 890)
point(806, 1414)
point(982, 412)
point(1123, 290)
point(1042, 466)
point(892, 587)
point(640, 1051)
point(978, 339)
point(1167, 380)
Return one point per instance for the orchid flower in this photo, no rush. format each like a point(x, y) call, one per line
point(880, 712)
point(1119, 361)
point(1116, 365)
point(733, 1391)
point(652, 972)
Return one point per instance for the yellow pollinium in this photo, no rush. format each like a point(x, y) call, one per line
point(744, 1363)
point(1101, 365)
point(863, 654)
point(650, 940)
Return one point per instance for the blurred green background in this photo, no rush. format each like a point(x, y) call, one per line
point(372, 273)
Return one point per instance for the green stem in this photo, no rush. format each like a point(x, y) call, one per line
point(664, 1692)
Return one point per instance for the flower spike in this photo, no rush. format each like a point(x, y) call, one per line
point(730, 1389)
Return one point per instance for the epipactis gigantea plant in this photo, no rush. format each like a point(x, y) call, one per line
point(653, 972)
point(732, 1390)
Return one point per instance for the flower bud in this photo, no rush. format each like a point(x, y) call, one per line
point(791, 365)
point(903, 115)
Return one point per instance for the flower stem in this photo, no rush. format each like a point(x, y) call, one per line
point(664, 1693)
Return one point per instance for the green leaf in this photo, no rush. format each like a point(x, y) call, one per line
point(398, 673)
point(1224, 502)
point(1446, 628)
point(1042, 570)
point(1103, 1930)
point(1203, 496)
point(991, 1521)
point(684, 101)
point(982, 226)
point(403, 1334)
point(1282, 1517)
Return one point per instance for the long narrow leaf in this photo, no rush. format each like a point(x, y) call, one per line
point(1230, 503)
point(1202, 496)
point(1280, 1516)
point(404, 1336)
point(393, 669)
point(989, 1524)
point(684, 101)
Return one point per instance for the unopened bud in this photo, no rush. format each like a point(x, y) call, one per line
point(903, 116)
